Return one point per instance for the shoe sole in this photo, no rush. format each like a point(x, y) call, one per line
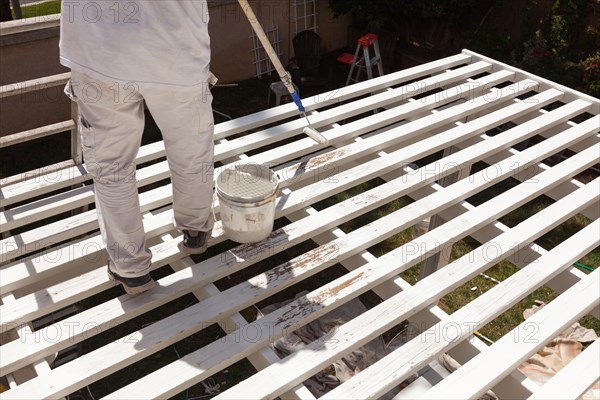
point(133, 290)
point(190, 251)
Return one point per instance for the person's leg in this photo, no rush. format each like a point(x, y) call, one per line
point(186, 121)
point(111, 125)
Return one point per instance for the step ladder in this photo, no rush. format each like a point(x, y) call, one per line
point(363, 60)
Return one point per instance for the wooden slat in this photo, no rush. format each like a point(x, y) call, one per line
point(19, 353)
point(45, 207)
point(514, 386)
point(36, 133)
point(565, 280)
point(48, 235)
point(575, 378)
point(38, 172)
point(450, 137)
point(533, 251)
point(29, 24)
point(37, 367)
point(56, 204)
point(37, 185)
point(197, 365)
point(569, 186)
point(33, 85)
point(529, 252)
point(429, 122)
point(483, 371)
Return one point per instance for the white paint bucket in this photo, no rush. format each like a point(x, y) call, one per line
point(247, 194)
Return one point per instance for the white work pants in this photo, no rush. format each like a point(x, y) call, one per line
point(111, 126)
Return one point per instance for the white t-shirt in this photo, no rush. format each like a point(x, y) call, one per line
point(155, 42)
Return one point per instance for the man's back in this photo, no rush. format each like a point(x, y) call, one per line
point(152, 42)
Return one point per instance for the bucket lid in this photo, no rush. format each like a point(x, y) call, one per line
point(247, 183)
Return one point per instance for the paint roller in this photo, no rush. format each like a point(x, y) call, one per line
point(285, 77)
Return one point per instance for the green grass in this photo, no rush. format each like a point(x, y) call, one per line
point(512, 317)
point(36, 10)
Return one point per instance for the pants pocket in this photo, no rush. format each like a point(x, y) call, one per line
point(68, 90)
point(205, 113)
point(86, 132)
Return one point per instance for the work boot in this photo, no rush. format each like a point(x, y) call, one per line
point(135, 285)
point(194, 242)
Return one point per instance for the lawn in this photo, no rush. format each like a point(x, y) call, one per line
point(45, 8)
